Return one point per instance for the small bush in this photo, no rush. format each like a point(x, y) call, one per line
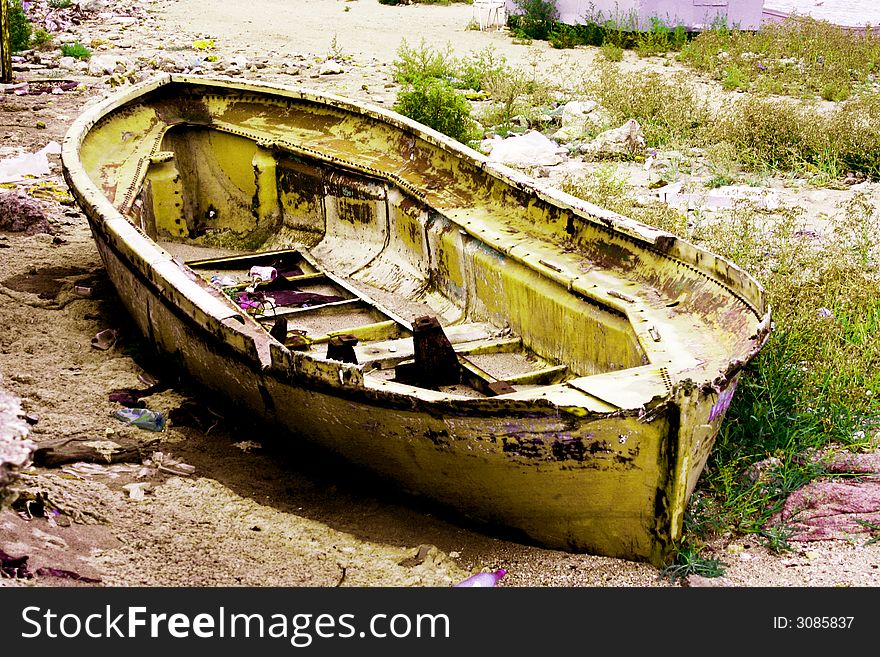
point(473, 71)
point(733, 79)
point(437, 104)
point(655, 41)
point(20, 28)
point(423, 62)
point(75, 50)
point(537, 19)
point(563, 36)
point(611, 52)
point(41, 38)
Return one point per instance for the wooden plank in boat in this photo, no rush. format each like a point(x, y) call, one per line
point(629, 388)
point(388, 353)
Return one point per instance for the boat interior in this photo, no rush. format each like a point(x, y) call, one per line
point(352, 258)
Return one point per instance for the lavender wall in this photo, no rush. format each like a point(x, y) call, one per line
point(693, 14)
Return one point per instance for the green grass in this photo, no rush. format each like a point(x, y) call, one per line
point(611, 52)
point(689, 562)
point(800, 57)
point(75, 50)
point(762, 133)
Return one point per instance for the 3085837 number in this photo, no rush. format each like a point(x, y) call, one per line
point(823, 622)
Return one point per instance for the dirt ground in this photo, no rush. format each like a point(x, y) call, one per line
point(255, 511)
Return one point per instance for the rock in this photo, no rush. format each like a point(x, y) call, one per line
point(240, 61)
point(727, 196)
point(830, 509)
point(698, 581)
point(92, 5)
point(15, 448)
point(331, 67)
point(68, 63)
point(626, 141)
point(529, 150)
point(103, 65)
point(20, 213)
point(580, 118)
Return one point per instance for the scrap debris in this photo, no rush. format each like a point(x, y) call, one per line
point(142, 418)
point(105, 339)
point(75, 449)
point(17, 568)
point(487, 579)
point(165, 463)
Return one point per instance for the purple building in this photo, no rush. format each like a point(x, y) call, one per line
point(637, 14)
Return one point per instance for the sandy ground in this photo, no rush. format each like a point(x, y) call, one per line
point(256, 512)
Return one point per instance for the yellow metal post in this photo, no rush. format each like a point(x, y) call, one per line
point(5, 44)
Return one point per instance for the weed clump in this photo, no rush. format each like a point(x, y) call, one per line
point(667, 108)
point(41, 38)
point(75, 50)
point(773, 134)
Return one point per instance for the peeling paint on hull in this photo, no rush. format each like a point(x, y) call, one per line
point(628, 341)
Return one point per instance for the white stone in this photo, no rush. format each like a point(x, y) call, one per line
point(331, 67)
point(580, 118)
point(528, 150)
point(92, 5)
point(102, 64)
point(625, 141)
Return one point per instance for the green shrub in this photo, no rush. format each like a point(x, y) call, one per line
point(75, 50)
point(20, 28)
point(473, 71)
point(537, 18)
point(419, 63)
point(655, 41)
point(437, 104)
point(41, 38)
point(563, 36)
point(733, 79)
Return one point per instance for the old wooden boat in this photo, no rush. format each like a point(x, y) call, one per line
point(369, 284)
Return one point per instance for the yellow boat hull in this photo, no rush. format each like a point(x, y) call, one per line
point(628, 341)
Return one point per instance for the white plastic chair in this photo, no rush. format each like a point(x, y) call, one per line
point(489, 13)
